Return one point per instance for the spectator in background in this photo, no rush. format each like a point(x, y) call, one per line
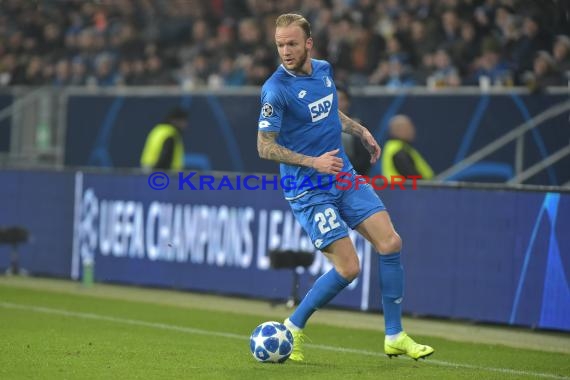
point(137, 72)
point(398, 156)
point(164, 147)
point(198, 43)
point(195, 73)
point(424, 69)
point(339, 47)
point(393, 74)
point(357, 153)
point(394, 70)
point(156, 74)
point(491, 66)
point(230, 72)
point(62, 73)
point(78, 72)
point(52, 41)
point(445, 74)
point(367, 48)
point(532, 40)
point(7, 69)
point(33, 75)
point(356, 36)
point(504, 21)
point(422, 42)
point(544, 73)
point(561, 52)
point(467, 49)
point(449, 29)
point(105, 73)
point(482, 20)
point(396, 50)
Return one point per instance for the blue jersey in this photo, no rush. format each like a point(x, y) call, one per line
point(304, 110)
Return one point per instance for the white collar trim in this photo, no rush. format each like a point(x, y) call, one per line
point(288, 72)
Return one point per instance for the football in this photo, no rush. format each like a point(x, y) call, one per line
point(271, 342)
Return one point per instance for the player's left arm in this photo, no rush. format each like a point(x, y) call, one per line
point(269, 149)
point(356, 129)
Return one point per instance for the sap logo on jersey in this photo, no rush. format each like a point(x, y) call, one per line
point(321, 108)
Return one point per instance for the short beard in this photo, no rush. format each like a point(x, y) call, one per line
point(299, 67)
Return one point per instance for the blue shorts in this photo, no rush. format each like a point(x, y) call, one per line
point(326, 215)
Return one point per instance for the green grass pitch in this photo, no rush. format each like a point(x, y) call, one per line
point(52, 329)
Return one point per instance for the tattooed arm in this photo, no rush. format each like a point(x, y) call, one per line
point(269, 149)
point(353, 128)
point(350, 126)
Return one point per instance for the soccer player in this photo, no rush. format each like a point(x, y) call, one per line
point(300, 127)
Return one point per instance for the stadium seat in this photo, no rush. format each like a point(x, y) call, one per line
point(289, 259)
point(197, 161)
point(14, 236)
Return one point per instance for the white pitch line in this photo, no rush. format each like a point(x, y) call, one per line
point(190, 330)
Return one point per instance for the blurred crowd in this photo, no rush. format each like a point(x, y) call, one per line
point(216, 43)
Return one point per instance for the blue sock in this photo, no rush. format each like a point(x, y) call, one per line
point(392, 286)
point(325, 289)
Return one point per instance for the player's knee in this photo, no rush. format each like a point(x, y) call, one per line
point(390, 244)
point(349, 272)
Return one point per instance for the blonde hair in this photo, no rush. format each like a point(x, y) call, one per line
point(294, 19)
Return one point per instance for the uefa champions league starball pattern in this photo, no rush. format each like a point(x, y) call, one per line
point(271, 342)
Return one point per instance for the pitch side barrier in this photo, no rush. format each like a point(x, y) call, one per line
point(108, 127)
point(485, 253)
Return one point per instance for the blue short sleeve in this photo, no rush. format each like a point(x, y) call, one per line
point(271, 114)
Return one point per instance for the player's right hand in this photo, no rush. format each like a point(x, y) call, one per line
point(328, 163)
